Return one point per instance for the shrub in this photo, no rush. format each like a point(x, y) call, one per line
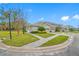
point(24, 30)
point(57, 29)
point(34, 32)
point(41, 29)
point(42, 32)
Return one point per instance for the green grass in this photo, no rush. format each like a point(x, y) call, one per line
point(4, 34)
point(44, 35)
point(55, 41)
point(17, 40)
point(75, 32)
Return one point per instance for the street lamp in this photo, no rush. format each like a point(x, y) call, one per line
point(10, 25)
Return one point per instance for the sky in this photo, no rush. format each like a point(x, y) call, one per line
point(60, 13)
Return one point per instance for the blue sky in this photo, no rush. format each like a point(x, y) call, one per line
point(67, 14)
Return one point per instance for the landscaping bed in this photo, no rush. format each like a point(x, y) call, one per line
point(57, 40)
point(17, 40)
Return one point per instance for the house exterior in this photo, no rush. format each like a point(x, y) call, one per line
point(48, 26)
point(64, 29)
point(3, 27)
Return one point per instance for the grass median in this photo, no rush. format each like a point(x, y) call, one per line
point(44, 35)
point(17, 40)
point(55, 41)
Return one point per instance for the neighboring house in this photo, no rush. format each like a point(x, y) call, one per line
point(64, 28)
point(50, 27)
point(3, 27)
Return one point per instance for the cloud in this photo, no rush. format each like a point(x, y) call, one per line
point(65, 18)
point(75, 16)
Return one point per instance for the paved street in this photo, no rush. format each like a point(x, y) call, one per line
point(73, 50)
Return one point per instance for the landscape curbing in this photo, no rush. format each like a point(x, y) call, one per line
point(41, 50)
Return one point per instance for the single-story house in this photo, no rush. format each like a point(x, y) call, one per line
point(48, 26)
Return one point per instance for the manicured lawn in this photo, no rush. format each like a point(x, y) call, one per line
point(44, 35)
point(75, 32)
point(4, 34)
point(17, 40)
point(55, 41)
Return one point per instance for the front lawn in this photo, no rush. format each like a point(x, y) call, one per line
point(4, 34)
point(55, 41)
point(44, 35)
point(17, 40)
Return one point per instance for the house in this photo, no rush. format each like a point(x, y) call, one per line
point(50, 27)
point(3, 27)
point(64, 28)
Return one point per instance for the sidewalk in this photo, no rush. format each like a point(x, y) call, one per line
point(40, 42)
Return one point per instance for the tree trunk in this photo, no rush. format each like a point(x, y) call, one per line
point(18, 31)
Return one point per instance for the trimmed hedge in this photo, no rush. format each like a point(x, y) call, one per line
point(34, 32)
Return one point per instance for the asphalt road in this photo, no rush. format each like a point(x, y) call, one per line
point(73, 50)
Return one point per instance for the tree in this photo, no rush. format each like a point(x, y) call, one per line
point(23, 26)
point(16, 15)
point(18, 20)
point(6, 14)
point(57, 29)
point(4, 26)
point(1, 23)
point(41, 29)
point(2, 18)
point(71, 29)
